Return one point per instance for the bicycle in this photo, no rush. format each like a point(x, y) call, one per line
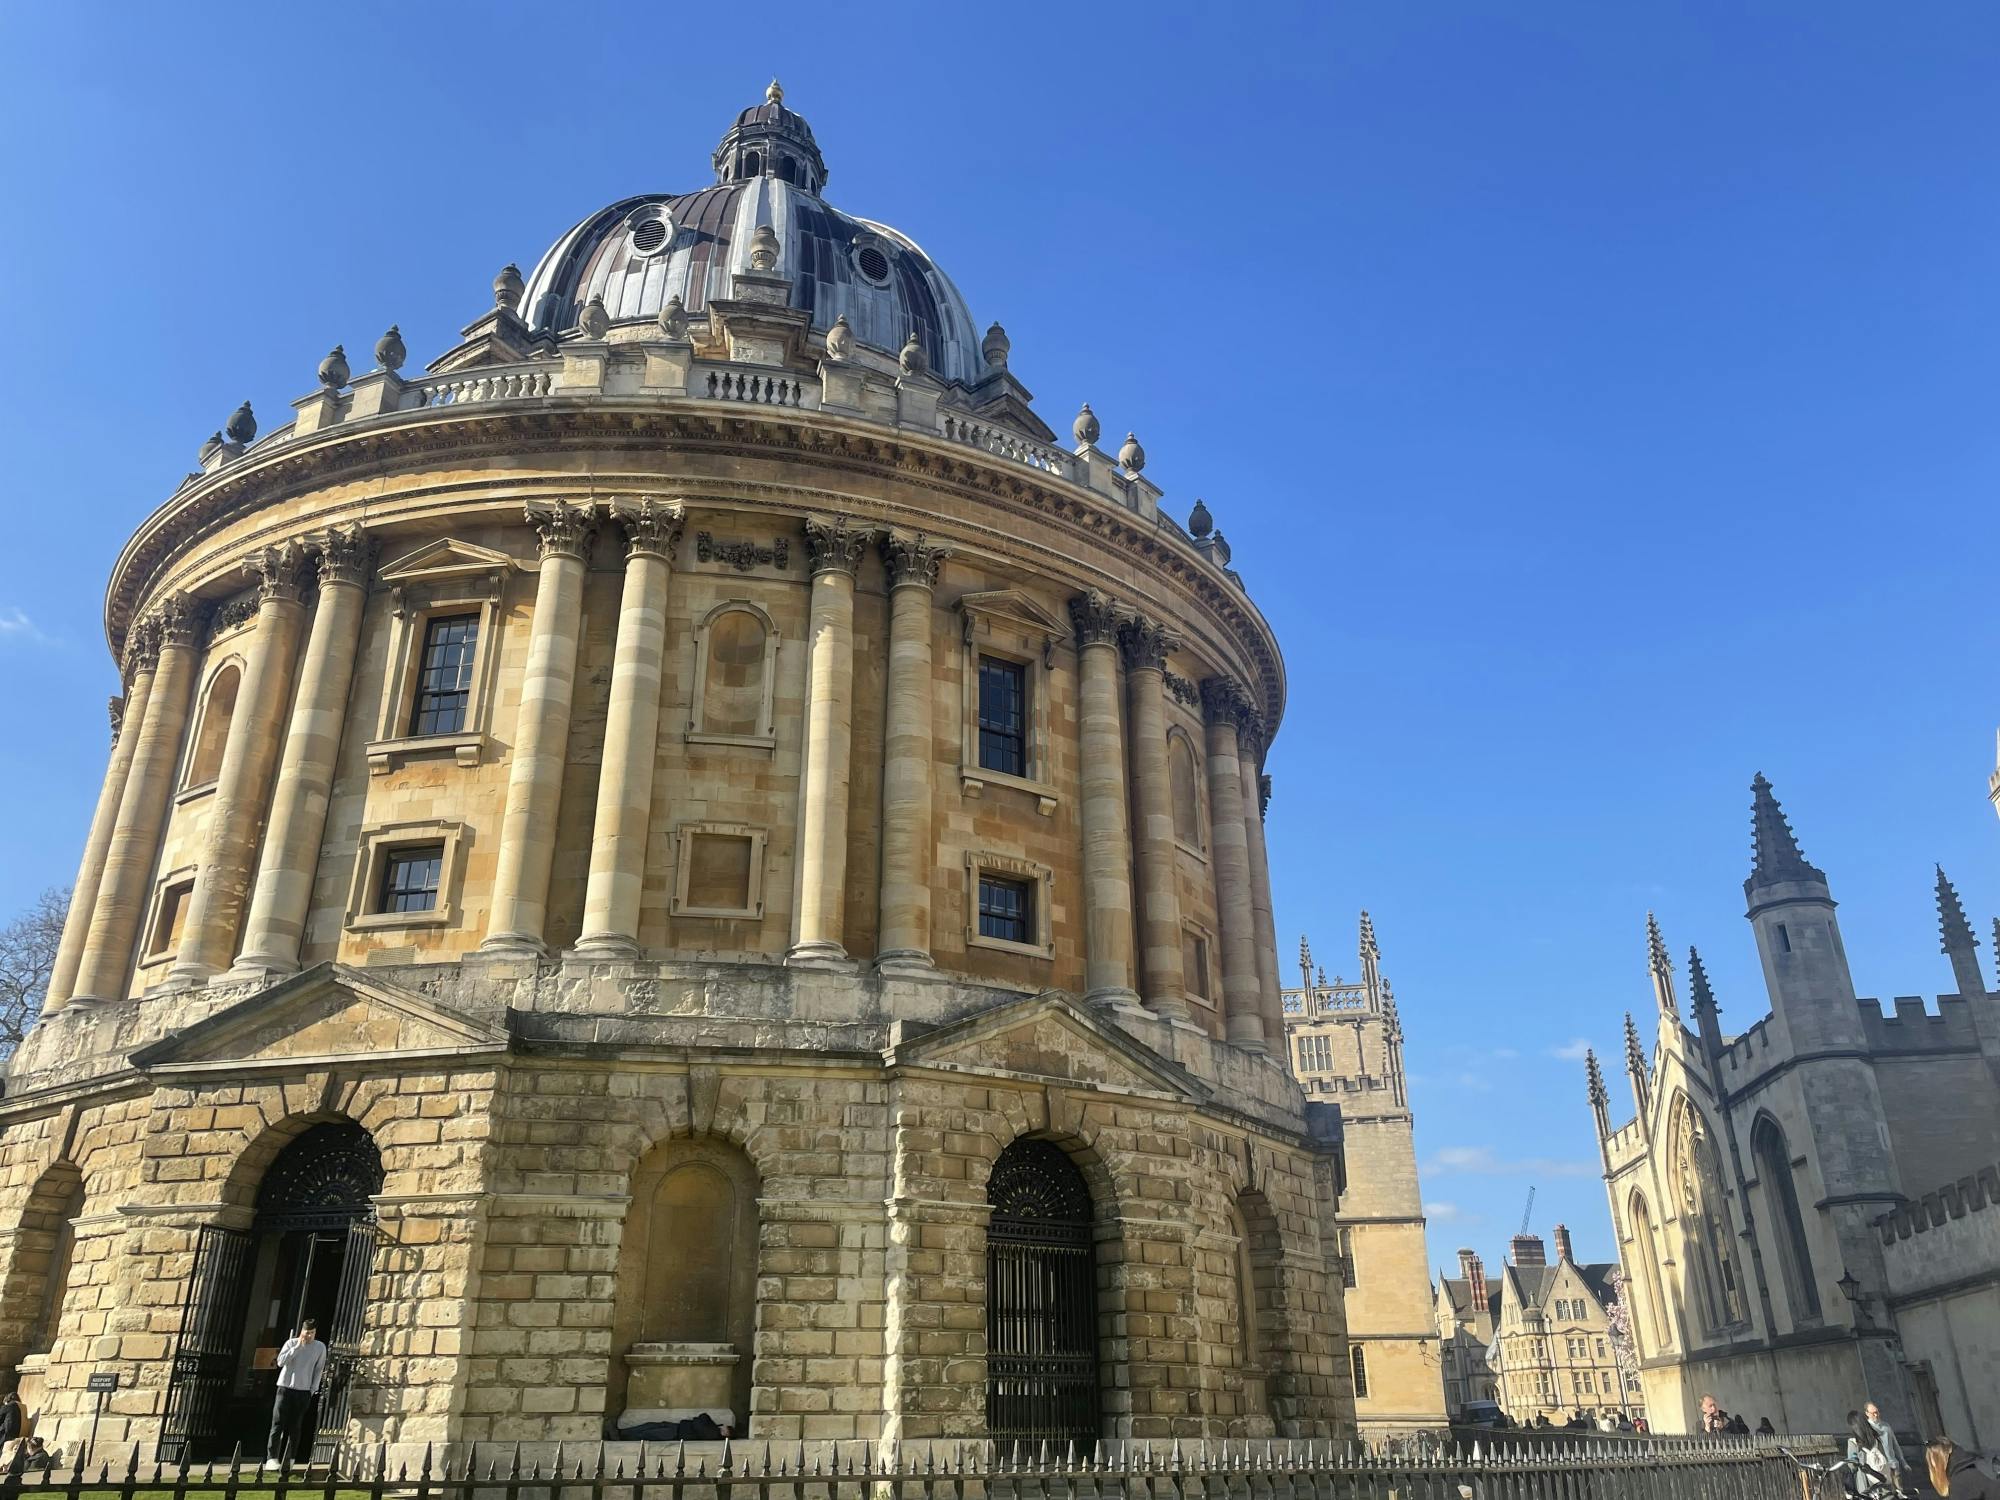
point(1820, 1481)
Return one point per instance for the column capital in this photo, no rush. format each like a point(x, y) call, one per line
point(279, 571)
point(561, 529)
point(1146, 642)
point(1225, 701)
point(1096, 618)
point(142, 646)
point(345, 554)
point(913, 559)
point(652, 527)
point(1264, 795)
point(178, 620)
point(835, 544)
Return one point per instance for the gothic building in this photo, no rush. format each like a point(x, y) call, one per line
point(1557, 1351)
point(1808, 1210)
point(1345, 1043)
point(688, 862)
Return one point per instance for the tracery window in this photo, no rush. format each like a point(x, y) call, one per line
point(1705, 1217)
point(1781, 1212)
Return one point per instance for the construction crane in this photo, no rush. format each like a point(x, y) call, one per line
point(1528, 1212)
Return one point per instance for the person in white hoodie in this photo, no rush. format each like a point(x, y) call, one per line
point(1892, 1451)
point(301, 1367)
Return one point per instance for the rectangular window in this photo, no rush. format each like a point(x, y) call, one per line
point(1006, 909)
point(167, 925)
point(1194, 964)
point(410, 878)
point(1359, 1361)
point(1003, 716)
point(719, 867)
point(444, 674)
point(1600, 1348)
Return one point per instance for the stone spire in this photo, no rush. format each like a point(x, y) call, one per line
point(1707, 1013)
point(1662, 969)
point(1371, 964)
point(1600, 1098)
point(1996, 940)
point(1960, 946)
point(1775, 854)
point(1305, 965)
point(1635, 1066)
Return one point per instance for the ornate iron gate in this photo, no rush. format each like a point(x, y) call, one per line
point(1041, 1300)
point(343, 1338)
point(203, 1374)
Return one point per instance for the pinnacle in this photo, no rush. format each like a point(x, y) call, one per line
point(1656, 948)
point(1595, 1075)
point(1704, 997)
point(1368, 947)
point(1635, 1054)
point(1952, 926)
point(1774, 849)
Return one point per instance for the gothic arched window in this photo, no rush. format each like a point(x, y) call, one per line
point(1705, 1221)
point(1781, 1212)
point(1646, 1250)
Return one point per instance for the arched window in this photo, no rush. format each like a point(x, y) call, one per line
point(1186, 777)
point(788, 170)
point(735, 660)
point(1705, 1220)
point(1358, 1362)
point(212, 733)
point(1646, 1250)
point(753, 164)
point(687, 1282)
point(1041, 1299)
point(1251, 1221)
point(1781, 1212)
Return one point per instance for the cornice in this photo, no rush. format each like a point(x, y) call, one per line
point(381, 446)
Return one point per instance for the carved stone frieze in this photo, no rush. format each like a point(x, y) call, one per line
point(650, 525)
point(229, 615)
point(743, 556)
point(1181, 689)
point(1096, 618)
point(836, 544)
point(913, 559)
point(345, 554)
point(562, 529)
point(1147, 643)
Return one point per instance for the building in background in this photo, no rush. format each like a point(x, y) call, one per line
point(1346, 1048)
point(1557, 1353)
point(1808, 1211)
point(1468, 1311)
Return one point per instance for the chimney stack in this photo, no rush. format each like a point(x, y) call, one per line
point(1474, 1272)
point(1562, 1244)
point(1528, 1250)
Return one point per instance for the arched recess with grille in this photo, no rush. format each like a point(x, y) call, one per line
point(1042, 1348)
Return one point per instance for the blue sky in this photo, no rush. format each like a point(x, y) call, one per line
point(1599, 398)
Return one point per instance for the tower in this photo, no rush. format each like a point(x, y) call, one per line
point(1791, 910)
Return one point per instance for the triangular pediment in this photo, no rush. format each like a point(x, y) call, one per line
point(445, 558)
point(328, 1013)
point(1014, 606)
point(1047, 1036)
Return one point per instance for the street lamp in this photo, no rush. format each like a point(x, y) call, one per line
point(1851, 1290)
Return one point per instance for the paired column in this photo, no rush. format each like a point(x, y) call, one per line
point(1224, 708)
point(631, 733)
point(836, 549)
point(142, 656)
point(520, 905)
point(1256, 792)
point(282, 896)
point(1146, 646)
point(249, 755)
point(142, 808)
point(1107, 837)
point(908, 750)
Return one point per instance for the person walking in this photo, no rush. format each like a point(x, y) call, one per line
point(1892, 1451)
point(1864, 1452)
point(10, 1416)
point(301, 1366)
point(1954, 1473)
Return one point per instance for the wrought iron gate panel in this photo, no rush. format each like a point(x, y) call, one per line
point(343, 1339)
point(203, 1372)
point(1041, 1300)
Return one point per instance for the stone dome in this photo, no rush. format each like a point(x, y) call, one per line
point(642, 251)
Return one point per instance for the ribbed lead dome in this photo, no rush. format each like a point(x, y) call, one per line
point(642, 251)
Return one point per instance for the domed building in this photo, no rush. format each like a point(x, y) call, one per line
point(687, 865)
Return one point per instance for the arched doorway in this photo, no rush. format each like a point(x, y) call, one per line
point(1041, 1299)
point(307, 1254)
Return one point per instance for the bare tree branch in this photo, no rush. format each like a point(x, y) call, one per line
point(27, 956)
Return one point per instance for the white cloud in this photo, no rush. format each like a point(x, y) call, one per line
point(16, 626)
point(1447, 1213)
point(1573, 1050)
point(1469, 1161)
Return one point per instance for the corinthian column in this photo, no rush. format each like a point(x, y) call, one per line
point(1107, 837)
point(1256, 791)
point(243, 783)
point(908, 749)
point(631, 733)
point(128, 714)
point(142, 809)
point(1224, 707)
point(1146, 646)
point(520, 902)
point(836, 552)
point(282, 895)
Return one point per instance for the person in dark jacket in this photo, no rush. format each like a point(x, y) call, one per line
point(10, 1416)
point(1954, 1473)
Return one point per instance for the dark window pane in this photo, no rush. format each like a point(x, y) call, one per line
point(1006, 909)
point(410, 878)
point(1003, 716)
point(444, 674)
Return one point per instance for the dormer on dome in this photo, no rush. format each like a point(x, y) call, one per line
point(769, 140)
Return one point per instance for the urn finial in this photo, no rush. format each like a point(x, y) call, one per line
point(594, 320)
point(995, 347)
point(1086, 426)
point(389, 350)
point(1200, 522)
point(1131, 457)
point(912, 358)
point(508, 286)
point(674, 318)
point(763, 248)
point(839, 339)
point(333, 371)
point(775, 94)
point(242, 424)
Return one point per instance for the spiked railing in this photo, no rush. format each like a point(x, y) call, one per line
point(1552, 1467)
